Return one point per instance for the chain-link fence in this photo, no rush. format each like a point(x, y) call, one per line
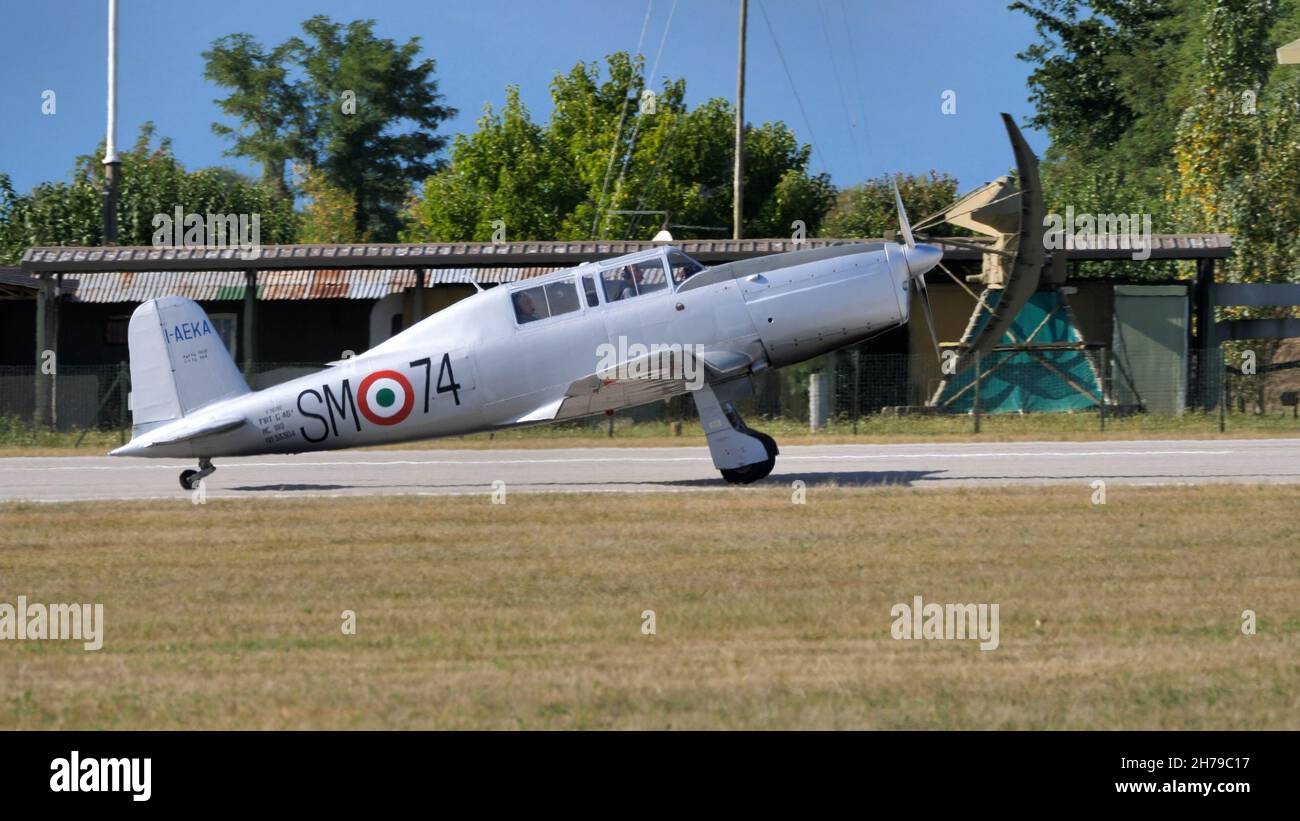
point(850, 391)
point(95, 397)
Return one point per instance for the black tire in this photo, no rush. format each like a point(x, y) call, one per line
point(187, 479)
point(748, 474)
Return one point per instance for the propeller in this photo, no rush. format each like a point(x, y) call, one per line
point(919, 259)
point(903, 224)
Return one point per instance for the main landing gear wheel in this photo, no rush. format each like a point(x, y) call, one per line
point(190, 478)
point(759, 470)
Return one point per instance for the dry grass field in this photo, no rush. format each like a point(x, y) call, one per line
point(768, 614)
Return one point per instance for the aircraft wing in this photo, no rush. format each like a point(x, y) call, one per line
point(636, 382)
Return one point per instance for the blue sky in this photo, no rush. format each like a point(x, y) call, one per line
point(870, 73)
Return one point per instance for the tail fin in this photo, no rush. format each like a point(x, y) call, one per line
point(178, 363)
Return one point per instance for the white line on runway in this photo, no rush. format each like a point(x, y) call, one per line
point(626, 459)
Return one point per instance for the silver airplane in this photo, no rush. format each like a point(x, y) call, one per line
point(579, 342)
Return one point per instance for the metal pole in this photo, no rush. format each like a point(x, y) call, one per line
point(41, 409)
point(112, 164)
point(418, 308)
point(250, 325)
point(57, 294)
point(1204, 337)
point(124, 381)
point(976, 400)
point(1222, 378)
point(1101, 379)
point(815, 409)
point(737, 215)
point(857, 388)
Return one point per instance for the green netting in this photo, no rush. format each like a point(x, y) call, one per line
point(1025, 381)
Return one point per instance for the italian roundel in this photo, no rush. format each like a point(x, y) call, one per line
point(385, 397)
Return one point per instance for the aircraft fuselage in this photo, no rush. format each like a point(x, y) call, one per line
point(479, 365)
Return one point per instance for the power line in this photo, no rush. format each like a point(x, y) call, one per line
point(839, 85)
point(659, 164)
point(857, 83)
point(655, 68)
point(795, 91)
point(636, 126)
point(622, 117)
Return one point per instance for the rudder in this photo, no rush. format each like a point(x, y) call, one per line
point(178, 363)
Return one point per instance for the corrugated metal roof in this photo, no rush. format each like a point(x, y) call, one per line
point(526, 254)
point(358, 276)
point(365, 283)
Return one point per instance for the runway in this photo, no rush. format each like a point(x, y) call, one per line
point(683, 469)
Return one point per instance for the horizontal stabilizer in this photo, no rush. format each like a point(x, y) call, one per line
point(178, 434)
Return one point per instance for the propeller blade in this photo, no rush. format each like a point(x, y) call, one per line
point(929, 317)
point(903, 224)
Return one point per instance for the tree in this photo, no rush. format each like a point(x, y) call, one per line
point(1110, 80)
point(273, 125)
point(361, 109)
point(1203, 130)
point(153, 182)
point(1105, 70)
point(1216, 149)
point(869, 210)
point(1151, 109)
point(329, 215)
point(613, 145)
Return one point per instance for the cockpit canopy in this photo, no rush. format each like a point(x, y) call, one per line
point(618, 279)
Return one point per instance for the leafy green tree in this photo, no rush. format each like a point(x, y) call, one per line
point(1105, 70)
point(153, 182)
point(869, 210)
point(272, 114)
point(1145, 102)
point(329, 214)
point(361, 109)
point(1217, 142)
point(1111, 78)
point(609, 147)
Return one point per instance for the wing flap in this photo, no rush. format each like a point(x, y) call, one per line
point(649, 378)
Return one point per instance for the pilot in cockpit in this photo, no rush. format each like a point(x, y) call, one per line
point(629, 283)
point(525, 310)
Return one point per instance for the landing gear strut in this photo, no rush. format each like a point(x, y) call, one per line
point(190, 478)
point(741, 454)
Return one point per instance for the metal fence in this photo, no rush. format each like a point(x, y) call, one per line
point(94, 397)
point(846, 388)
